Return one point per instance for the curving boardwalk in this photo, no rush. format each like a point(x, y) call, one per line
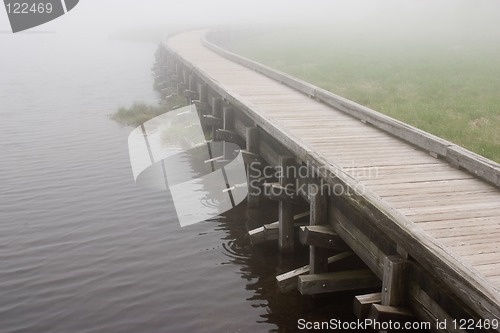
point(448, 219)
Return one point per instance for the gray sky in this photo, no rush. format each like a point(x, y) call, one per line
point(111, 15)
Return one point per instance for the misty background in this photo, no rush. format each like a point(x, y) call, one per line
point(153, 17)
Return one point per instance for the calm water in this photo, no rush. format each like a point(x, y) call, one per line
point(82, 248)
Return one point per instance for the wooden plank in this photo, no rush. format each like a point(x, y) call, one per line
point(322, 236)
point(253, 159)
point(427, 308)
point(471, 249)
point(464, 230)
point(201, 107)
point(482, 258)
point(212, 121)
point(480, 222)
point(386, 313)
point(270, 231)
point(438, 186)
point(489, 269)
point(453, 215)
point(359, 242)
point(470, 239)
point(275, 191)
point(289, 280)
point(479, 165)
point(314, 284)
point(229, 136)
point(363, 303)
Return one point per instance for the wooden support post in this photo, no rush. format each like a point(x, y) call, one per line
point(394, 282)
point(394, 292)
point(216, 113)
point(185, 77)
point(203, 93)
point(228, 125)
point(191, 86)
point(285, 210)
point(178, 72)
point(181, 87)
point(192, 82)
point(318, 257)
point(253, 172)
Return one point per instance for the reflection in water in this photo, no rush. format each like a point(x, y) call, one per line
point(170, 152)
point(259, 266)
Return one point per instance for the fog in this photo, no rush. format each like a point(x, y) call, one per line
point(97, 17)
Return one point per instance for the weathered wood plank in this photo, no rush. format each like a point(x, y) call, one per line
point(270, 231)
point(229, 136)
point(289, 280)
point(314, 284)
point(363, 303)
point(386, 313)
point(275, 191)
point(323, 236)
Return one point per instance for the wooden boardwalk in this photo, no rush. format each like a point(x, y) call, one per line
point(449, 219)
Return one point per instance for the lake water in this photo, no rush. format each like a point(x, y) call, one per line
point(82, 248)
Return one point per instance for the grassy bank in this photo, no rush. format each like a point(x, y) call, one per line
point(447, 85)
point(140, 112)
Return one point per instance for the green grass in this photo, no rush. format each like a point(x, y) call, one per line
point(141, 112)
point(447, 85)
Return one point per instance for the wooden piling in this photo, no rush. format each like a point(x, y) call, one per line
point(285, 210)
point(318, 256)
point(253, 173)
point(394, 286)
point(217, 115)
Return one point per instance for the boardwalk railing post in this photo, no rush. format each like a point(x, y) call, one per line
point(286, 239)
point(252, 146)
point(318, 256)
